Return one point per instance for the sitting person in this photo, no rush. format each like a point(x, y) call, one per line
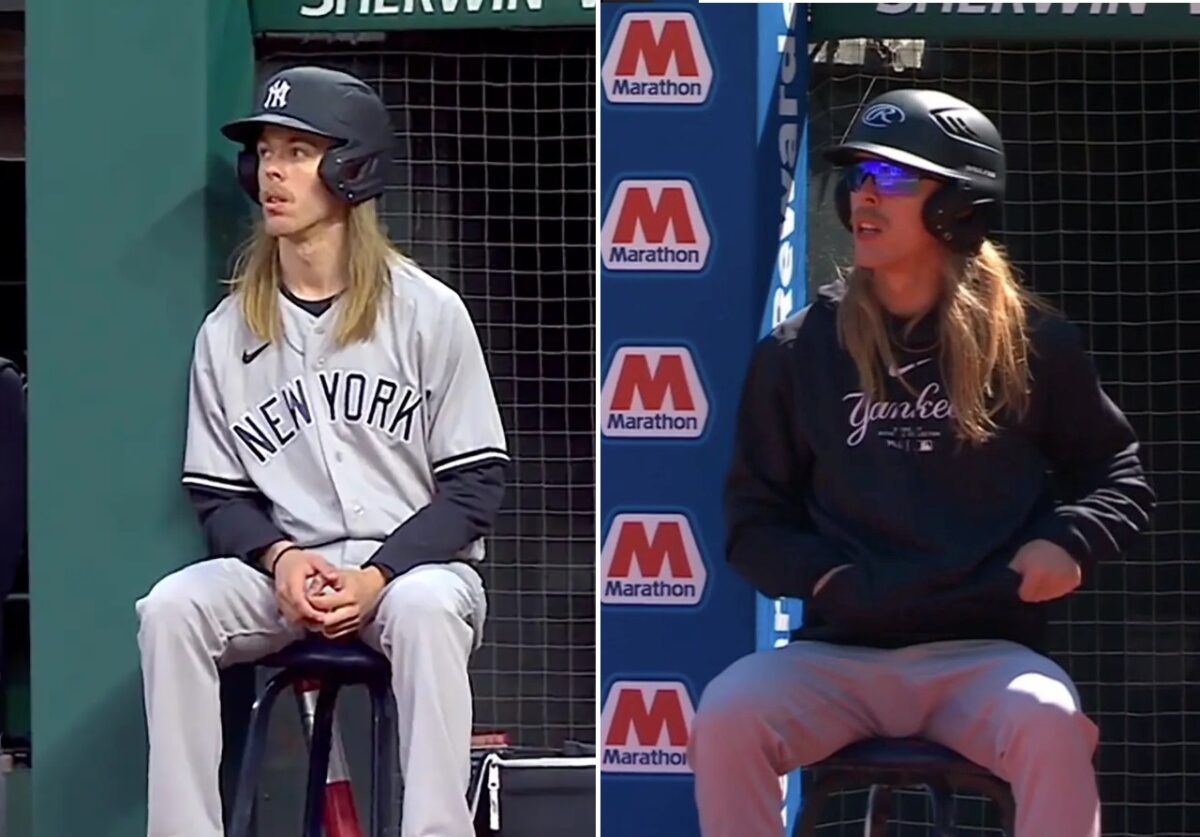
point(901, 449)
point(345, 456)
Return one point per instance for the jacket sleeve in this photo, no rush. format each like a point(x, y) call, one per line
point(771, 540)
point(1106, 499)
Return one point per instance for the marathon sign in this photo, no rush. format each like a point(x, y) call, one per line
point(653, 392)
point(644, 727)
point(657, 58)
point(651, 559)
point(655, 225)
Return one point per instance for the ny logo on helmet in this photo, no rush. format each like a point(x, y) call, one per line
point(883, 115)
point(277, 94)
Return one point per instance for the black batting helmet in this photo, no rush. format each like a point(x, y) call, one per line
point(331, 104)
point(944, 137)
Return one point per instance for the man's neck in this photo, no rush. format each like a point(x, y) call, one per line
point(908, 293)
point(314, 265)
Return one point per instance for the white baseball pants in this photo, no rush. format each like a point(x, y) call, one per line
point(999, 704)
point(221, 612)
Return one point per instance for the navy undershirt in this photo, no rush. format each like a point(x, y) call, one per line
point(316, 307)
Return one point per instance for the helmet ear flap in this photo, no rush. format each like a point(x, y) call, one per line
point(958, 216)
point(354, 177)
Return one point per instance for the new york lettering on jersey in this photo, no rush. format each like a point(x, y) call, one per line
point(350, 396)
point(345, 441)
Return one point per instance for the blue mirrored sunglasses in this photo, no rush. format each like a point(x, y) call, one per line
point(890, 179)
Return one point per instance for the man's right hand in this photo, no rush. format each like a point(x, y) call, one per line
point(294, 574)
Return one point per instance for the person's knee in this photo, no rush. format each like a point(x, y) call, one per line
point(419, 602)
point(728, 711)
point(1044, 716)
point(172, 605)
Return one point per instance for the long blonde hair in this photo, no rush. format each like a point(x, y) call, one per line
point(982, 338)
point(256, 277)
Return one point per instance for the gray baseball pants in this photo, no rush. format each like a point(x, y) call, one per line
point(220, 612)
point(998, 704)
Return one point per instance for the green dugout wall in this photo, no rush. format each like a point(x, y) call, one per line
point(132, 212)
point(128, 224)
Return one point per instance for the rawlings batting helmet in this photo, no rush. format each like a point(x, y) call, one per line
point(331, 104)
point(944, 137)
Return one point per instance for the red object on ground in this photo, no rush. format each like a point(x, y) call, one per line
point(341, 817)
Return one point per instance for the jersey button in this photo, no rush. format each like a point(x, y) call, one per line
point(338, 457)
point(358, 510)
point(320, 361)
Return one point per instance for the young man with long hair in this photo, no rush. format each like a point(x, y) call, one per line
point(345, 456)
point(925, 456)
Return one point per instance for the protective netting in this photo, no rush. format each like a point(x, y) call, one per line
point(1103, 218)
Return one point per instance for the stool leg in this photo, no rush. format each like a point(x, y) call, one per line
point(942, 800)
point(1008, 809)
point(252, 755)
point(318, 759)
point(879, 811)
point(998, 791)
point(383, 742)
point(823, 787)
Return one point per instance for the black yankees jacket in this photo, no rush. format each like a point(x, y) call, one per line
point(821, 476)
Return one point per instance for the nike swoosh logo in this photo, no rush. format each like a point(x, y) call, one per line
point(896, 373)
point(249, 356)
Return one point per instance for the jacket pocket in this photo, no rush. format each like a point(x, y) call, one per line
point(848, 602)
point(991, 597)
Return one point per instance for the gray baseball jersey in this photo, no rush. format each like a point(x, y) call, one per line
point(344, 442)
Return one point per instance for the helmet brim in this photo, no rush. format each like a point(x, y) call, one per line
point(847, 153)
point(248, 130)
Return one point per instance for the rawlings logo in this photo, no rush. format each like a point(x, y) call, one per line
point(882, 116)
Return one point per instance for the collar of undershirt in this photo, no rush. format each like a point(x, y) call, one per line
point(315, 307)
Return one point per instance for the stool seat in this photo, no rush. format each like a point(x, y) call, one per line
point(900, 755)
point(884, 764)
point(316, 655)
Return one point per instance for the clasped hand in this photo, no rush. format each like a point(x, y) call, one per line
point(313, 593)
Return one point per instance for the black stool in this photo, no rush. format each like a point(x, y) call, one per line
point(335, 663)
point(888, 763)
